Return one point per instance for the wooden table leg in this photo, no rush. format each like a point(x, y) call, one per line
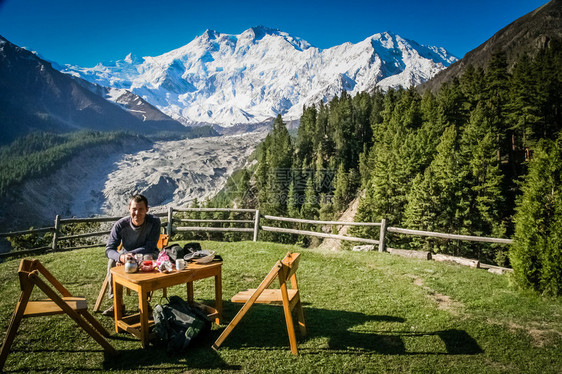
point(190, 292)
point(117, 303)
point(143, 306)
point(218, 296)
point(102, 293)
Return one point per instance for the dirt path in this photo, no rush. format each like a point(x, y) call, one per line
point(347, 216)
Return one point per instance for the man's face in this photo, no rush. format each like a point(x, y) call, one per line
point(138, 212)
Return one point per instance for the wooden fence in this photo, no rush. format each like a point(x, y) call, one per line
point(57, 235)
point(174, 224)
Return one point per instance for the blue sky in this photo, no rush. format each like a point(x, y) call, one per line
point(84, 32)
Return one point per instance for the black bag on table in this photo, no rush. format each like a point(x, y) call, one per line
point(175, 251)
point(177, 324)
point(191, 247)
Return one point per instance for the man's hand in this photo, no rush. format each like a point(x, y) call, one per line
point(124, 257)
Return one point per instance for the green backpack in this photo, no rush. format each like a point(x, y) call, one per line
point(177, 324)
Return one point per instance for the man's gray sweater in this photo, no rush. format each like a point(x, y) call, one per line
point(141, 239)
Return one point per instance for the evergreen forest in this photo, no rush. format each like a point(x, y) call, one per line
point(479, 157)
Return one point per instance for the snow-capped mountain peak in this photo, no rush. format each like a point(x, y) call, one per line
point(249, 78)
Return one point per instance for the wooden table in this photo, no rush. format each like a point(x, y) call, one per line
point(143, 283)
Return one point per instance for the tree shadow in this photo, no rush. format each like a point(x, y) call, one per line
point(342, 331)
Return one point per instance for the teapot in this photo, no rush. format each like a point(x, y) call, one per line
point(131, 266)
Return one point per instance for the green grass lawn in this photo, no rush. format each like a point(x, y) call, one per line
point(365, 312)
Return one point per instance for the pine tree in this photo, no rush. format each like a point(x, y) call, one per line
point(364, 170)
point(472, 85)
point(377, 106)
point(341, 123)
point(451, 109)
point(342, 193)
point(549, 82)
point(262, 175)
point(293, 202)
point(281, 147)
point(362, 132)
point(320, 135)
point(438, 201)
point(420, 213)
point(523, 105)
point(536, 255)
point(395, 159)
point(479, 152)
point(304, 147)
point(310, 206)
point(244, 191)
point(326, 211)
point(275, 169)
point(496, 96)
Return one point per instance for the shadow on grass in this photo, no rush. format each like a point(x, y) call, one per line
point(263, 328)
point(158, 359)
point(198, 356)
point(346, 332)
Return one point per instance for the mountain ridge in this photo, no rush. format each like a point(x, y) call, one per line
point(526, 35)
point(252, 77)
point(35, 96)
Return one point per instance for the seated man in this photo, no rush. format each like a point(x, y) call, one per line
point(138, 233)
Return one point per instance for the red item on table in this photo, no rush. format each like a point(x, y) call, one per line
point(147, 266)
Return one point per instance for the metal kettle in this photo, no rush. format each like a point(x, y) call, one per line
point(131, 266)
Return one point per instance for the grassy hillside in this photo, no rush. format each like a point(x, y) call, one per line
point(366, 312)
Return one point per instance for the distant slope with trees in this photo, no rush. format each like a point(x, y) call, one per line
point(524, 36)
point(38, 154)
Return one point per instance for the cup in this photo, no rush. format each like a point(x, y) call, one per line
point(180, 264)
point(138, 258)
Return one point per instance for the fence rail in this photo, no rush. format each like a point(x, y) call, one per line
point(87, 235)
point(217, 229)
point(338, 223)
point(24, 232)
point(318, 234)
point(173, 225)
point(449, 236)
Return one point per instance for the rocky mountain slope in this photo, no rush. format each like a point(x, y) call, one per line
point(171, 173)
point(527, 34)
point(35, 96)
point(250, 78)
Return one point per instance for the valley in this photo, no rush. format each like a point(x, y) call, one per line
point(100, 181)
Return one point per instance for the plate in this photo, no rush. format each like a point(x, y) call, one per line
point(204, 257)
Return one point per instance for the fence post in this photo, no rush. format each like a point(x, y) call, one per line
point(382, 236)
point(256, 225)
point(169, 228)
point(56, 233)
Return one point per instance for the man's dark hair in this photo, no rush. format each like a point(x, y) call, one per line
point(139, 198)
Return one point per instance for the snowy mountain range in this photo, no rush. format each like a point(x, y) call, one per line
point(252, 77)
